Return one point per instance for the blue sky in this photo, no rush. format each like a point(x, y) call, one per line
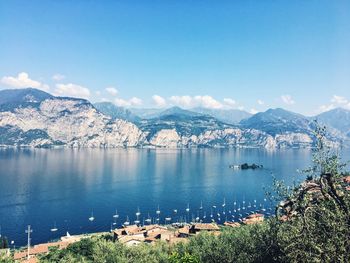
point(220, 54)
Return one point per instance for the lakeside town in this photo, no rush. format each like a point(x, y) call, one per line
point(132, 235)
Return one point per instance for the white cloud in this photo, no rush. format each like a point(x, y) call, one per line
point(196, 101)
point(112, 91)
point(183, 101)
point(72, 90)
point(127, 103)
point(253, 111)
point(229, 102)
point(260, 102)
point(58, 77)
point(287, 99)
point(23, 81)
point(98, 93)
point(159, 101)
point(335, 101)
point(135, 101)
point(339, 100)
point(240, 108)
point(324, 108)
point(207, 102)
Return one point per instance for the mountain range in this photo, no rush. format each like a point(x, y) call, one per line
point(34, 118)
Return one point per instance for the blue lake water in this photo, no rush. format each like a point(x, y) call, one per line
point(41, 186)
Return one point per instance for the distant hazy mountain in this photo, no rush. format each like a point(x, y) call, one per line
point(116, 112)
point(156, 113)
point(229, 116)
point(278, 121)
point(30, 117)
point(184, 121)
point(338, 119)
point(146, 113)
point(177, 111)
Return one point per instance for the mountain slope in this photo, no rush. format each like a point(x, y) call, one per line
point(14, 98)
point(34, 118)
point(62, 121)
point(115, 112)
point(143, 113)
point(278, 121)
point(185, 122)
point(227, 116)
point(338, 119)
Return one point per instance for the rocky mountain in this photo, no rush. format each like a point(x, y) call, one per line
point(29, 117)
point(11, 99)
point(278, 121)
point(291, 129)
point(338, 119)
point(179, 123)
point(115, 112)
point(39, 119)
point(231, 116)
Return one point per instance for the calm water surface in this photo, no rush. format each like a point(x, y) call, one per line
point(41, 186)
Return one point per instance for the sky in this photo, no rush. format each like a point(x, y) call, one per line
point(250, 55)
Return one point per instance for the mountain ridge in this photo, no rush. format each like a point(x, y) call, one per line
point(38, 119)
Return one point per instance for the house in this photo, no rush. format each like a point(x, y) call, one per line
point(167, 235)
point(153, 230)
point(136, 234)
point(183, 231)
point(346, 179)
point(132, 230)
point(128, 231)
point(253, 219)
point(132, 240)
point(232, 224)
point(45, 248)
point(151, 239)
point(198, 227)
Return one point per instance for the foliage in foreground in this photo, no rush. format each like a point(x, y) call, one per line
point(244, 244)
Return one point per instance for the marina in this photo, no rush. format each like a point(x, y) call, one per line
point(132, 235)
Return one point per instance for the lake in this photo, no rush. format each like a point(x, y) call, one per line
point(43, 186)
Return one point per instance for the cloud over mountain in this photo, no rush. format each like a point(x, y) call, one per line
point(72, 90)
point(287, 99)
point(134, 101)
point(112, 91)
point(335, 102)
point(159, 101)
point(22, 80)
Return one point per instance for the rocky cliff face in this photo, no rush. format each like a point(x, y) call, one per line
point(64, 121)
point(38, 119)
point(234, 137)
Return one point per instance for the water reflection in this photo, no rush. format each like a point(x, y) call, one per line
point(41, 186)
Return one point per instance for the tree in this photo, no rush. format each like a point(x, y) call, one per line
point(317, 227)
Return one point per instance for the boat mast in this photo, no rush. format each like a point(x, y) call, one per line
point(28, 231)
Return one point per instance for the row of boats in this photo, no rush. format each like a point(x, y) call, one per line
point(216, 213)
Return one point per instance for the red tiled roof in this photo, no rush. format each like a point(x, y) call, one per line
point(206, 226)
point(346, 179)
point(232, 224)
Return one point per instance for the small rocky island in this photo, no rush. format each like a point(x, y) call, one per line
point(246, 166)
